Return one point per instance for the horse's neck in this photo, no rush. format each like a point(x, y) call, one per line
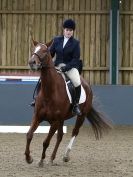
point(49, 79)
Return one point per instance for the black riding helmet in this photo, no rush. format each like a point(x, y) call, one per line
point(69, 23)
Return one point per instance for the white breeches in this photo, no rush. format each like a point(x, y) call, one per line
point(73, 74)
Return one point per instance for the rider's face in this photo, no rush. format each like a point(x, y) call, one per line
point(68, 32)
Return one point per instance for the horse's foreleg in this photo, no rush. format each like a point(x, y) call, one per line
point(32, 129)
point(59, 138)
point(52, 131)
point(75, 132)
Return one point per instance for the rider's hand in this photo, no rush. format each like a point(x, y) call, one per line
point(63, 69)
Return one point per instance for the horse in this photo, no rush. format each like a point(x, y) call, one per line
point(52, 105)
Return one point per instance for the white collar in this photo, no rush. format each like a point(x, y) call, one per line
point(66, 38)
point(65, 41)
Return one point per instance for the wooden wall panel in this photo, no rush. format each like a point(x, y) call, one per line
point(3, 33)
point(126, 43)
point(0, 35)
point(42, 19)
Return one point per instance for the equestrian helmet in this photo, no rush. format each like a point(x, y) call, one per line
point(69, 23)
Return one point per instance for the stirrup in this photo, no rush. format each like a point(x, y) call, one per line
point(76, 110)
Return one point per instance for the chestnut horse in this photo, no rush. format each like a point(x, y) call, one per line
point(52, 105)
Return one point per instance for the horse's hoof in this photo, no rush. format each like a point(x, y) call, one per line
point(29, 160)
point(51, 163)
point(41, 164)
point(66, 159)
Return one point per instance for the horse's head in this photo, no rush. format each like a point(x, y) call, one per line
point(37, 60)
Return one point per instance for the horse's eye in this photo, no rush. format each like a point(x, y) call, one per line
point(34, 62)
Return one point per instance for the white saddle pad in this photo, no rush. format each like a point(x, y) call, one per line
point(82, 96)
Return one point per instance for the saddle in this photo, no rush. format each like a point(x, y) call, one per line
point(71, 90)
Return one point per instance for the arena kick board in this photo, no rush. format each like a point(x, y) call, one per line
point(12, 118)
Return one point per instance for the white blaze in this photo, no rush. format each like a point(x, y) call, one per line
point(37, 49)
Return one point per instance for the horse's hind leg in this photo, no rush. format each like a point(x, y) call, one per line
point(32, 129)
point(79, 122)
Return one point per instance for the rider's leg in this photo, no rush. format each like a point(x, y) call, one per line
point(74, 76)
point(36, 91)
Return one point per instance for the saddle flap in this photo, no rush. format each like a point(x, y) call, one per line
point(70, 90)
point(82, 96)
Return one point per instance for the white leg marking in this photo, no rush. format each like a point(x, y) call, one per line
point(71, 143)
point(69, 147)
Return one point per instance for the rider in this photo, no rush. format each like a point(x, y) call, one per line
point(67, 50)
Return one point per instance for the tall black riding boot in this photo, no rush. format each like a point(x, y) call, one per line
point(76, 109)
point(36, 91)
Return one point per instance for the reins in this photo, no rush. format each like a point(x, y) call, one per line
point(44, 65)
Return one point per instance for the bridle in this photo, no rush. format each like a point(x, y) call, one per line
point(41, 60)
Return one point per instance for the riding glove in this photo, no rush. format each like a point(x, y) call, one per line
point(63, 69)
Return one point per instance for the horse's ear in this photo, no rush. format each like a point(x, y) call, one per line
point(34, 42)
point(48, 44)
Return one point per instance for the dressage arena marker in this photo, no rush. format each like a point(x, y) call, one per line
point(24, 129)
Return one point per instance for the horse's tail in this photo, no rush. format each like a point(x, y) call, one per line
point(98, 122)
